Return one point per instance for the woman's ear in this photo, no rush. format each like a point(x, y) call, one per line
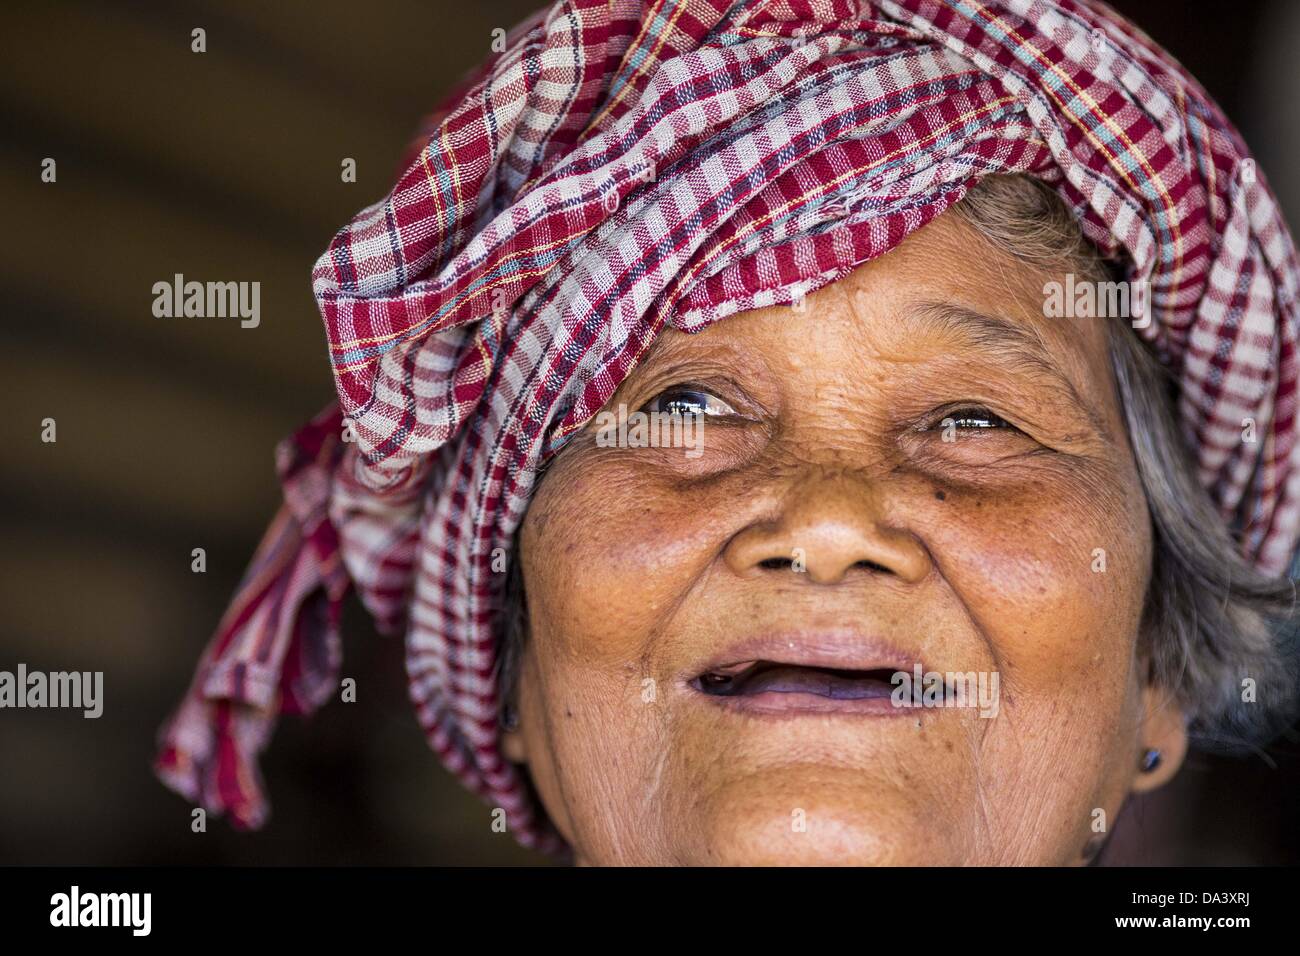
point(513, 747)
point(1162, 741)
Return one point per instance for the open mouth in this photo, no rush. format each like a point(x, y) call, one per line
point(756, 678)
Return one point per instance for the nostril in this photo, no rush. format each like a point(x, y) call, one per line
point(871, 566)
point(783, 564)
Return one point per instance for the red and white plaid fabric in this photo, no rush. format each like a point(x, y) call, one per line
point(625, 165)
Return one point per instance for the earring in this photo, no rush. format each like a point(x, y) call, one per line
point(1150, 760)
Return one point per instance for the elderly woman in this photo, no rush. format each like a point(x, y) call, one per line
point(941, 558)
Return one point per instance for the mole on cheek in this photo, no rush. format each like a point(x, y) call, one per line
point(940, 495)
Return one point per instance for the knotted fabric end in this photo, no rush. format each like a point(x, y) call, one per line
point(276, 650)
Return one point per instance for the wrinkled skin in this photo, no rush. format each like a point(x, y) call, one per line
point(975, 554)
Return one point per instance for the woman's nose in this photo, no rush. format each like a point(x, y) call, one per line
point(828, 526)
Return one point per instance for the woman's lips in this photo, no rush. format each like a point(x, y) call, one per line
point(771, 687)
point(824, 672)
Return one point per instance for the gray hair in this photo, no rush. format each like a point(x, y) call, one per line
point(1211, 622)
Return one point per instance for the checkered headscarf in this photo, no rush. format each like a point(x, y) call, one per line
point(623, 165)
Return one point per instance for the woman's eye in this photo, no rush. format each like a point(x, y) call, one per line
point(971, 418)
point(688, 401)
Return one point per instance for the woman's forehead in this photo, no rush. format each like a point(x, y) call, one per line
point(944, 289)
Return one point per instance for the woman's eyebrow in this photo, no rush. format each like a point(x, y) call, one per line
point(1021, 345)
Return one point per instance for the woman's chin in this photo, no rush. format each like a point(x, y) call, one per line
point(814, 821)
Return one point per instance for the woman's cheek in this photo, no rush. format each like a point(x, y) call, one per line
point(609, 548)
point(1053, 575)
point(608, 553)
point(1053, 578)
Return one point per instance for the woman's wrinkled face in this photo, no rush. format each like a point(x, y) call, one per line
point(916, 470)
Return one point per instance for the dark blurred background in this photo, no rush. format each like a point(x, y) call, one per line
point(226, 165)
